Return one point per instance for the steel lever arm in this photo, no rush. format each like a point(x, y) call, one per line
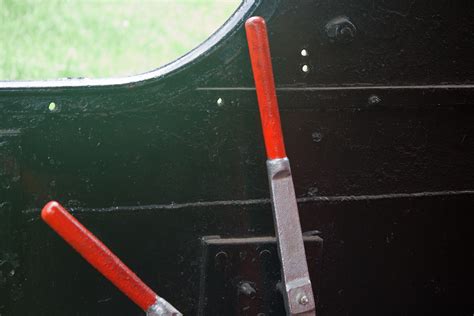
point(298, 293)
point(101, 258)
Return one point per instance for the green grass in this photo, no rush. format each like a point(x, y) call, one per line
point(47, 39)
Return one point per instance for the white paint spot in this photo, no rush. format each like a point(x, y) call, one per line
point(52, 107)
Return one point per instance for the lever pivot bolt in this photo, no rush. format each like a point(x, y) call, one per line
point(303, 300)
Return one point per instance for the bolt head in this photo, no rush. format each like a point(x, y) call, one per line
point(341, 30)
point(303, 300)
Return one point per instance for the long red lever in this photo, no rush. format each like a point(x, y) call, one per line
point(259, 49)
point(297, 289)
point(101, 258)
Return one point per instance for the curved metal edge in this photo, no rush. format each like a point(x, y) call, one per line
point(162, 308)
point(234, 22)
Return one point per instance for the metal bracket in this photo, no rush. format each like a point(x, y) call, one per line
point(242, 276)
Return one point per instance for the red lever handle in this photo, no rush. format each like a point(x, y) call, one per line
point(98, 255)
point(259, 49)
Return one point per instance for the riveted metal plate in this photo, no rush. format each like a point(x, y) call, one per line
point(241, 276)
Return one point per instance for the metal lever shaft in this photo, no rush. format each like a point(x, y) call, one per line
point(101, 258)
point(298, 293)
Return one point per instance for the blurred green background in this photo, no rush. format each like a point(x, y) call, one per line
point(47, 39)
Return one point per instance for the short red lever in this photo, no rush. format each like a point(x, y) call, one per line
point(259, 49)
point(101, 258)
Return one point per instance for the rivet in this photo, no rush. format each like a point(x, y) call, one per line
point(305, 68)
point(374, 99)
point(317, 137)
point(220, 102)
point(221, 258)
point(304, 52)
point(313, 191)
point(265, 253)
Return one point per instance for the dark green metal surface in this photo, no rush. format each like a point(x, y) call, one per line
point(152, 163)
